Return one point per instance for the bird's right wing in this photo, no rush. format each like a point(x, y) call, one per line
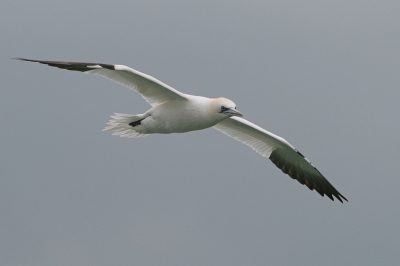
point(280, 152)
point(152, 90)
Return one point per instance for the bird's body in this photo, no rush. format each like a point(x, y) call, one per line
point(178, 116)
point(176, 112)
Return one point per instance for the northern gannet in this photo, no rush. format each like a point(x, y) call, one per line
point(175, 112)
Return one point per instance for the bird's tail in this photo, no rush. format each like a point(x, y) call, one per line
point(123, 125)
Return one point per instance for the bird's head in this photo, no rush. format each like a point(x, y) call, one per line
point(223, 107)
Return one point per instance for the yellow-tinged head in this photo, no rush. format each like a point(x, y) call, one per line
point(223, 106)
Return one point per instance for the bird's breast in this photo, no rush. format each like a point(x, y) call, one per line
point(177, 117)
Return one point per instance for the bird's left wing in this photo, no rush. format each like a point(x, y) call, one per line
point(151, 89)
point(280, 152)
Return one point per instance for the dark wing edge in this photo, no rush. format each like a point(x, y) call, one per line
point(312, 180)
point(280, 152)
point(151, 89)
point(74, 66)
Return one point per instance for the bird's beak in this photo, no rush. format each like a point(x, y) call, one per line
point(232, 112)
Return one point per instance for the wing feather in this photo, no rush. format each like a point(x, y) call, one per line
point(280, 152)
point(151, 89)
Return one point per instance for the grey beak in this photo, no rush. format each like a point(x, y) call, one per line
point(232, 112)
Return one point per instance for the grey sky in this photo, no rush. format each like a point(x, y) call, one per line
point(322, 74)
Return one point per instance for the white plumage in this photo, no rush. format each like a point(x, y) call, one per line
point(175, 112)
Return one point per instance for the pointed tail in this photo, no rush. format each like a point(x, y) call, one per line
point(119, 125)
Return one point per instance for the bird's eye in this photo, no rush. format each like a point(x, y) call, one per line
point(223, 109)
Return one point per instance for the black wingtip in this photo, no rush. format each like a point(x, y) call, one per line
point(28, 60)
point(74, 66)
point(24, 59)
point(19, 58)
point(340, 197)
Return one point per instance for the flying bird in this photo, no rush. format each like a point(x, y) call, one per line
point(176, 112)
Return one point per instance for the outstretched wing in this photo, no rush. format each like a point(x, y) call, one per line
point(152, 90)
point(280, 152)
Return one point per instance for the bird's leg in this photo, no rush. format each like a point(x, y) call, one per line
point(135, 123)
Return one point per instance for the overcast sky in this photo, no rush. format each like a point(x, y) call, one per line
point(324, 75)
